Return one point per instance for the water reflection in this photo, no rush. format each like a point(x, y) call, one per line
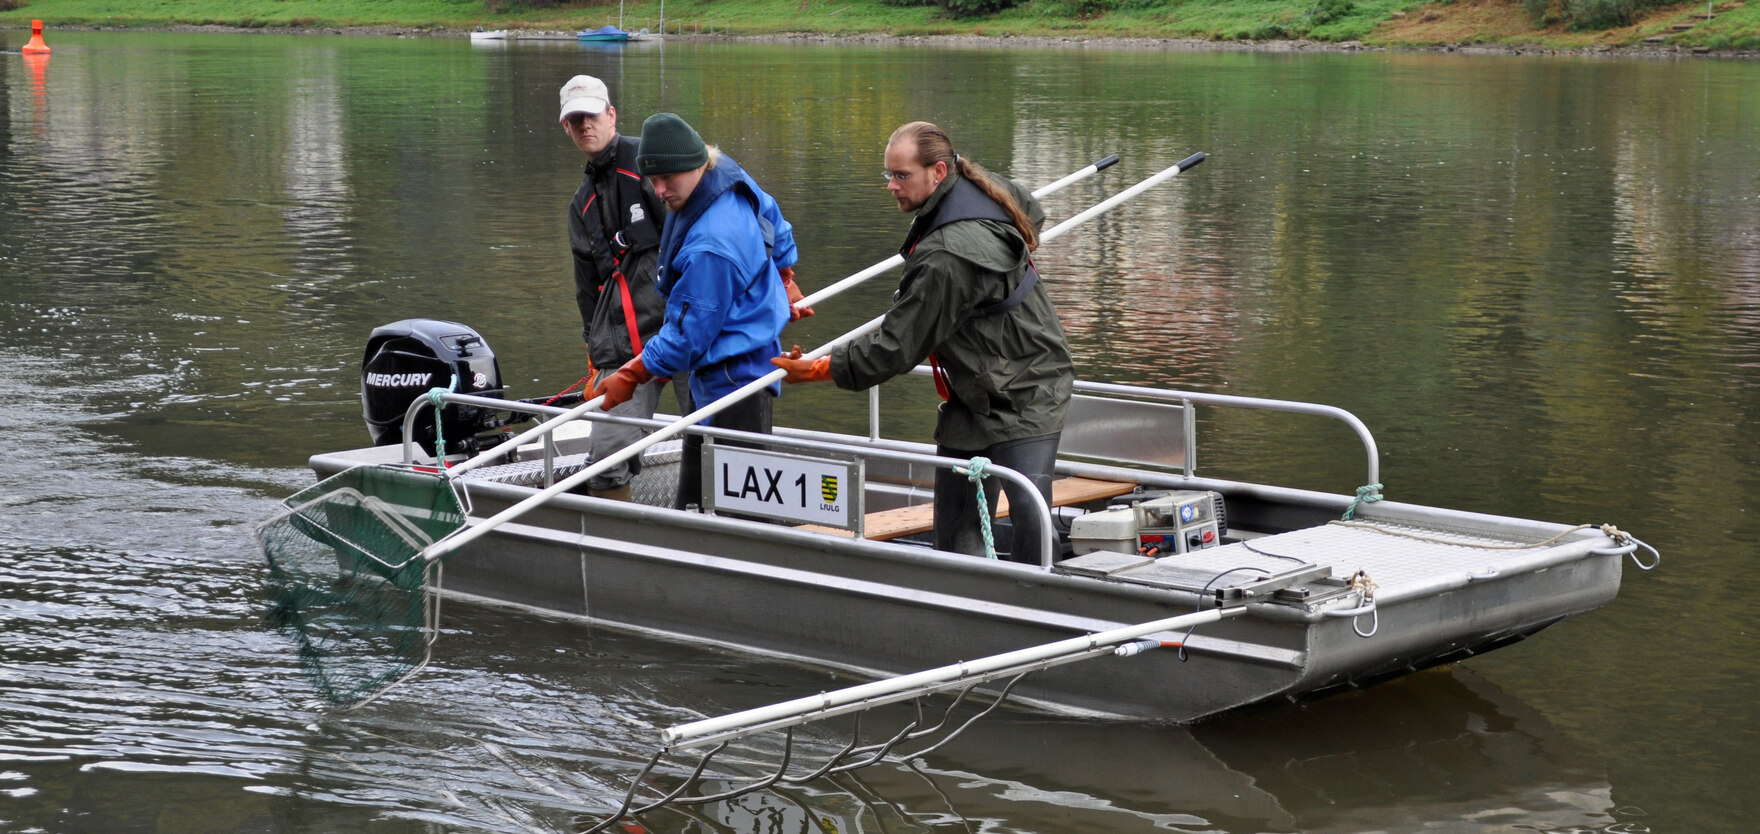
point(1435, 751)
point(316, 172)
point(1444, 750)
point(38, 64)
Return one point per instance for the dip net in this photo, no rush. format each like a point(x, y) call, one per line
point(347, 580)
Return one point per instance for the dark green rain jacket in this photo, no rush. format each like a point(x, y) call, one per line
point(1009, 375)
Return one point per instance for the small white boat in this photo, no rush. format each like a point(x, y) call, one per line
point(490, 35)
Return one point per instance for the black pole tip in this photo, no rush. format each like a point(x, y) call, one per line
point(1106, 163)
point(1193, 160)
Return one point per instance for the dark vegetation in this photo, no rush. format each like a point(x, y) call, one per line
point(1588, 14)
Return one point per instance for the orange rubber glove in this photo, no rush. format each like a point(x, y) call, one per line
point(794, 294)
point(621, 384)
point(803, 370)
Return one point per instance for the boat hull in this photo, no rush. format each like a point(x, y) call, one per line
point(885, 608)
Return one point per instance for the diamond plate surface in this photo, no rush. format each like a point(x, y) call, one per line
point(1392, 554)
point(657, 484)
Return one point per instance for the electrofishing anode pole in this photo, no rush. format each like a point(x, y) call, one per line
point(677, 427)
point(576, 412)
point(897, 260)
point(929, 681)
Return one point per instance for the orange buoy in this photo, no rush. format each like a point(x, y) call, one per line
point(36, 44)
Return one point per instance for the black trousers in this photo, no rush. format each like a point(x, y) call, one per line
point(956, 498)
point(751, 414)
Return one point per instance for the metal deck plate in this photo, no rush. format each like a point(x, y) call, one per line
point(1104, 563)
point(1392, 554)
point(527, 472)
point(656, 485)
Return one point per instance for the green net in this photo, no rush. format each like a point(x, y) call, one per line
point(347, 580)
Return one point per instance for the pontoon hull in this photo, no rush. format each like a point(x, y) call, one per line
point(883, 608)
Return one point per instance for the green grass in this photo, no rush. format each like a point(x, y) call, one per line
point(1226, 20)
point(1737, 28)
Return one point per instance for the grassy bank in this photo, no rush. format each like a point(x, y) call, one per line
point(1372, 22)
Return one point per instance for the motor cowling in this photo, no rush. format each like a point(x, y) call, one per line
point(405, 359)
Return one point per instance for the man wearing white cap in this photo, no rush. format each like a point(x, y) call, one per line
point(614, 233)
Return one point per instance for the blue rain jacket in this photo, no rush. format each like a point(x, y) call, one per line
point(725, 304)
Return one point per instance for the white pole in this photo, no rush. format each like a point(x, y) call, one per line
point(896, 260)
point(900, 688)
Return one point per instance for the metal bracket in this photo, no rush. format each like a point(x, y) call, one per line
point(1262, 590)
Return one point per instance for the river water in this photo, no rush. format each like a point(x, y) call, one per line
point(1537, 279)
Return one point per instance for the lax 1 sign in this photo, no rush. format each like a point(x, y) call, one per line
point(784, 487)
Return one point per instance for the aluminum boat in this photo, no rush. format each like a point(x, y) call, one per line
point(815, 548)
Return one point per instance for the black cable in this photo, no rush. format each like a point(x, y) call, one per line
point(1205, 593)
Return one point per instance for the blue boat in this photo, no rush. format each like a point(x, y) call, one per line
point(603, 34)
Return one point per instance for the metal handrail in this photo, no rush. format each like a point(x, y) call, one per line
point(1185, 398)
point(1047, 543)
point(1259, 403)
point(1290, 406)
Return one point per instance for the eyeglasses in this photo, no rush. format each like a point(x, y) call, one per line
point(900, 177)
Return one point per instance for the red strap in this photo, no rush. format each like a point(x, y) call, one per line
point(940, 376)
point(591, 374)
point(935, 364)
point(589, 203)
point(629, 314)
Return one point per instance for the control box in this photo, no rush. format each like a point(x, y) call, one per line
point(1176, 522)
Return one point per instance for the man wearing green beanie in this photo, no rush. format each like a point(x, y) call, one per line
point(726, 269)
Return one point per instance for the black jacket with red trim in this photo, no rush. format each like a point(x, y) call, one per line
point(614, 235)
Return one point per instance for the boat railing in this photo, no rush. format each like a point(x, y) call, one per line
point(548, 451)
point(1154, 427)
point(1126, 424)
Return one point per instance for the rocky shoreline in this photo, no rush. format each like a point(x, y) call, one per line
point(999, 41)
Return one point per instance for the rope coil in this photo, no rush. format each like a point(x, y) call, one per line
point(1364, 587)
point(437, 398)
point(1628, 543)
point(974, 471)
point(1366, 494)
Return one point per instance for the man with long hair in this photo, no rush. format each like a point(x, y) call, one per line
point(971, 303)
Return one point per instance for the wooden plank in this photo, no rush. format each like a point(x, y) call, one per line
point(899, 522)
point(1068, 491)
point(886, 525)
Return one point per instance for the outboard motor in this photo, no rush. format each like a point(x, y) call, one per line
point(405, 359)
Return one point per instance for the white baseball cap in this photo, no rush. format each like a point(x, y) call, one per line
point(584, 94)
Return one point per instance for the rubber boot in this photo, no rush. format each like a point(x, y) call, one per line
point(615, 493)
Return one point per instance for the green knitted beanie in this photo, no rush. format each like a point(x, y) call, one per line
point(669, 146)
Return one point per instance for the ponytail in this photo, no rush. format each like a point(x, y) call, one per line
point(933, 146)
